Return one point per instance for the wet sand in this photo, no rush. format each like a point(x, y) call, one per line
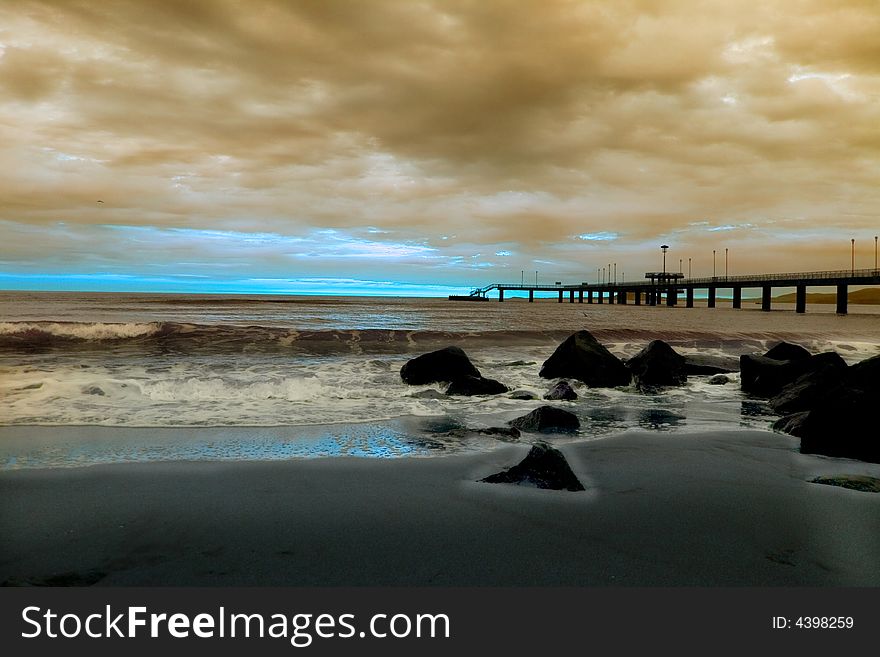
point(724, 508)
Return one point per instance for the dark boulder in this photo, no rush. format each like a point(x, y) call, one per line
point(446, 364)
point(865, 375)
point(543, 467)
point(766, 377)
point(719, 380)
point(706, 364)
point(582, 357)
point(787, 351)
point(562, 391)
point(658, 365)
point(475, 385)
point(547, 419)
point(837, 426)
point(810, 389)
point(521, 394)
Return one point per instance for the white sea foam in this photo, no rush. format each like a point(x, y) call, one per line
point(82, 330)
point(271, 391)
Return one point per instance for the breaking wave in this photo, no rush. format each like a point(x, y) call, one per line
point(182, 337)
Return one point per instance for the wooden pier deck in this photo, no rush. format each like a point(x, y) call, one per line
point(666, 287)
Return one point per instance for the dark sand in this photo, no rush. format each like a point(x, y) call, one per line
point(727, 508)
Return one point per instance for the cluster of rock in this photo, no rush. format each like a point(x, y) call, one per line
point(823, 401)
point(580, 357)
point(829, 405)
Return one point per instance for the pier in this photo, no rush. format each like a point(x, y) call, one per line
point(666, 288)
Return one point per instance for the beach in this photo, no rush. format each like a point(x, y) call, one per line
point(195, 440)
point(727, 508)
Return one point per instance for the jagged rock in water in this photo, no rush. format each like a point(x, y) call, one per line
point(841, 425)
point(521, 394)
point(443, 365)
point(475, 385)
point(584, 358)
point(543, 467)
point(809, 389)
point(658, 365)
point(787, 351)
point(767, 377)
point(562, 391)
point(547, 419)
point(719, 380)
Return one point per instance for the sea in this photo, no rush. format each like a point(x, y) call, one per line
point(89, 378)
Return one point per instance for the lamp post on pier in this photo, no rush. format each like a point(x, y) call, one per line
point(664, 247)
point(875, 252)
point(725, 262)
point(689, 267)
point(713, 263)
point(852, 263)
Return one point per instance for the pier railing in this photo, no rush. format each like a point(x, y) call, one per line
point(815, 278)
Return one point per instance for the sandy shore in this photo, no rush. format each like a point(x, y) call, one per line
point(726, 508)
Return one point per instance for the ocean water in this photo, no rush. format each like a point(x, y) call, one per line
point(282, 377)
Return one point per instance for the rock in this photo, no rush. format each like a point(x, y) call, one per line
point(561, 391)
point(506, 432)
point(657, 365)
point(428, 394)
point(543, 467)
point(582, 357)
point(865, 375)
point(475, 385)
point(809, 389)
point(763, 376)
point(705, 364)
point(518, 363)
point(719, 380)
point(766, 377)
point(443, 365)
point(547, 419)
point(521, 394)
point(93, 390)
point(787, 351)
point(861, 483)
point(837, 426)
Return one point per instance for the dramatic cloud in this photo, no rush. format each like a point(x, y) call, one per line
point(448, 141)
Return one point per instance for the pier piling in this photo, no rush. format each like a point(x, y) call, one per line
point(841, 299)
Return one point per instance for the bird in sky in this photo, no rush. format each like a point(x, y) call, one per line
point(100, 201)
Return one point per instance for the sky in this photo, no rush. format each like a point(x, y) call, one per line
point(425, 146)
